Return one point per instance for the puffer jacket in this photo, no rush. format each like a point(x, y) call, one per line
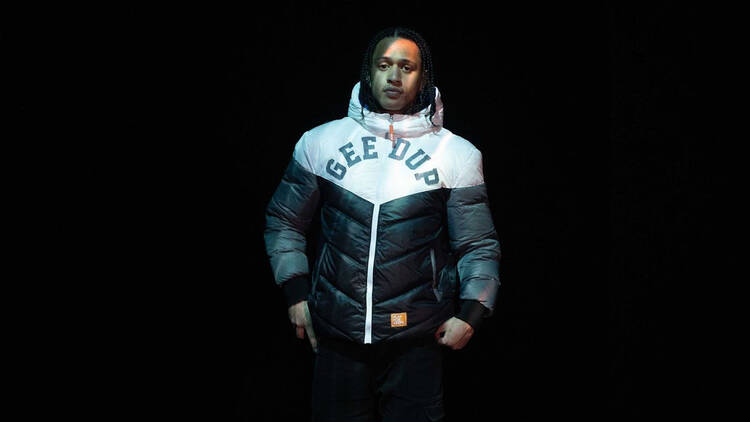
point(407, 239)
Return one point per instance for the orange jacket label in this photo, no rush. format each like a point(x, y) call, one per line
point(398, 320)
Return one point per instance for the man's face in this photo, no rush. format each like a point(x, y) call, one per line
point(396, 73)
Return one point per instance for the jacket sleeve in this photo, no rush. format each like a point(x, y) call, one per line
point(288, 216)
point(474, 241)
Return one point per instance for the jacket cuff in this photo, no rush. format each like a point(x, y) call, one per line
point(472, 311)
point(296, 289)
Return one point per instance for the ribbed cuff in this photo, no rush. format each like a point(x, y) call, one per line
point(472, 311)
point(296, 289)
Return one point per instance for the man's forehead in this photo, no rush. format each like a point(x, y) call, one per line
point(397, 48)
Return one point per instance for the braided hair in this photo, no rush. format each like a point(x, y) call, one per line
point(425, 96)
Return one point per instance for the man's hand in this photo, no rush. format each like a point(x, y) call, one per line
point(299, 315)
point(454, 333)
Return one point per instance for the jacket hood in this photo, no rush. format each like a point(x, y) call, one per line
point(404, 125)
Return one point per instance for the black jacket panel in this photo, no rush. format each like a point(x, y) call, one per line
point(345, 232)
point(474, 239)
point(288, 216)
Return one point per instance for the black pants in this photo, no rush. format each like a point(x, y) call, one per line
point(382, 382)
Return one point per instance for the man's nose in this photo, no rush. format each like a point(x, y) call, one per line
point(394, 76)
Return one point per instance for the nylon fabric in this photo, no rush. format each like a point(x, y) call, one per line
point(412, 222)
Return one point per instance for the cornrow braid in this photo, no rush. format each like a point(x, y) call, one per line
point(425, 97)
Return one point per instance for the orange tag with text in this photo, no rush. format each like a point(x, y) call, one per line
point(398, 320)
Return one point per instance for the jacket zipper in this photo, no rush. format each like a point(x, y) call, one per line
point(370, 267)
point(390, 131)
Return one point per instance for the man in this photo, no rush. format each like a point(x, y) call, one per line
point(407, 262)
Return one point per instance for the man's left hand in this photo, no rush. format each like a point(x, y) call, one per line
point(454, 333)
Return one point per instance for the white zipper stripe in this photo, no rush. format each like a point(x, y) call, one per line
point(370, 267)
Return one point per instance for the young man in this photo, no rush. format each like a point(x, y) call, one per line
point(407, 261)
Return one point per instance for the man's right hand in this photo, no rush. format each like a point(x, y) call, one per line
point(299, 315)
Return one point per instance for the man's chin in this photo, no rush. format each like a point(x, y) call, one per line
point(393, 109)
point(390, 105)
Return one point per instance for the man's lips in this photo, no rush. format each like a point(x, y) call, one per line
point(392, 92)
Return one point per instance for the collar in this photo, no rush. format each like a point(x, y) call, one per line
point(404, 125)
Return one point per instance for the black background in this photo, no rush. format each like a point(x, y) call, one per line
point(190, 117)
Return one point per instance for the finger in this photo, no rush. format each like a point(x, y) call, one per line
point(293, 314)
point(449, 338)
point(459, 335)
point(439, 333)
point(309, 329)
point(460, 343)
point(443, 338)
point(464, 340)
point(300, 332)
point(311, 336)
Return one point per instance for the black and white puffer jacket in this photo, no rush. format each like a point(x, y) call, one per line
point(407, 239)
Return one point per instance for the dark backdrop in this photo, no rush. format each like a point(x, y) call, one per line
point(580, 113)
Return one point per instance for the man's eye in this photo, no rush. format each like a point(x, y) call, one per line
point(407, 68)
point(383, 66)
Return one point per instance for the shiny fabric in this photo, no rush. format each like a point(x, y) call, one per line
point(405, 230)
